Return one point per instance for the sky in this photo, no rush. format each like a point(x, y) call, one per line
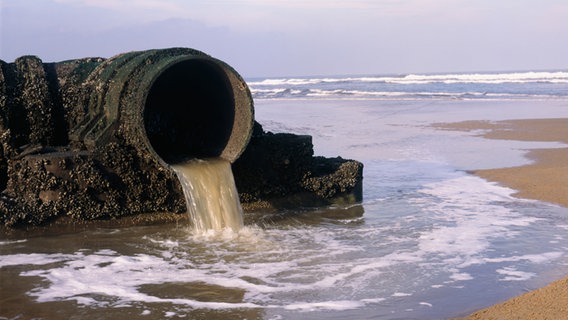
point(270, 38)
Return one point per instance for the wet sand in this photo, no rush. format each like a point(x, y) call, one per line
point(549, 302)
point(546, 179)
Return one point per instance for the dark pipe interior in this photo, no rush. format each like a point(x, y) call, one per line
point(189, 111)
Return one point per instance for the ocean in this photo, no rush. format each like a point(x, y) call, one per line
point(428, 241)
point(509, 85)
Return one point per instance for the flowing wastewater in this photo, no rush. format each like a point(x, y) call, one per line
point(210, 194)
point(429, 240)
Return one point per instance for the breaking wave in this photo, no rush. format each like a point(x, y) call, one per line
point(513, 85)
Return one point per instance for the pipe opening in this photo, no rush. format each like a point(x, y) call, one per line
point(189, 111)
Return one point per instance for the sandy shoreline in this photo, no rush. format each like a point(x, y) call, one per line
point(545, 179)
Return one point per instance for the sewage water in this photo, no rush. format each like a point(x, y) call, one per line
point(210, 194)
point(429, 240)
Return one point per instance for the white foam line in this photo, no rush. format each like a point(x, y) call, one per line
point(325, 305)
point(534, 258)
point(401, 294)
point(490, 78)
point(7, 242)
point(460, 276)
point(34, 259)
point(512, 274)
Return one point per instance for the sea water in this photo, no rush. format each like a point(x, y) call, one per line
point(429, 240)
point(496, 85)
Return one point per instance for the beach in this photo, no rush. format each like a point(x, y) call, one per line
point(430, 240)
point(548, 302)
point(526, 154)
point(545, 179)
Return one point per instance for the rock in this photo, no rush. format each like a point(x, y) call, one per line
point(279, 170)
point(335, 178)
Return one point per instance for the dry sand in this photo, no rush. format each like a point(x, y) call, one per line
point(545, 179)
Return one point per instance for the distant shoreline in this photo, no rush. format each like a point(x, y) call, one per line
point(545, 179)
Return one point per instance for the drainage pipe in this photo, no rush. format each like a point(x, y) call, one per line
point(173, 104)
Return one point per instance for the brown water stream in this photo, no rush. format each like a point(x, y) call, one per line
point(210, 193)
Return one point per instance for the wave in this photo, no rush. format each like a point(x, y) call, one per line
point(298, 81)
point(558, 77)
point(490, 78)
point(287, 93)
point(512, 85)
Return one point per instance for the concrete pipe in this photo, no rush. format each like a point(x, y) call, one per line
point(95, 138)
point(175, 104)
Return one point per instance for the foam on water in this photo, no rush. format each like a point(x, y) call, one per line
point(428, 239)
point(456, 229)
point(11, 242)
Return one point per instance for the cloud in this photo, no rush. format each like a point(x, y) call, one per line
point(296, 37)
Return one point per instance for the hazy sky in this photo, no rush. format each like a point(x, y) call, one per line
point(300, 37)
